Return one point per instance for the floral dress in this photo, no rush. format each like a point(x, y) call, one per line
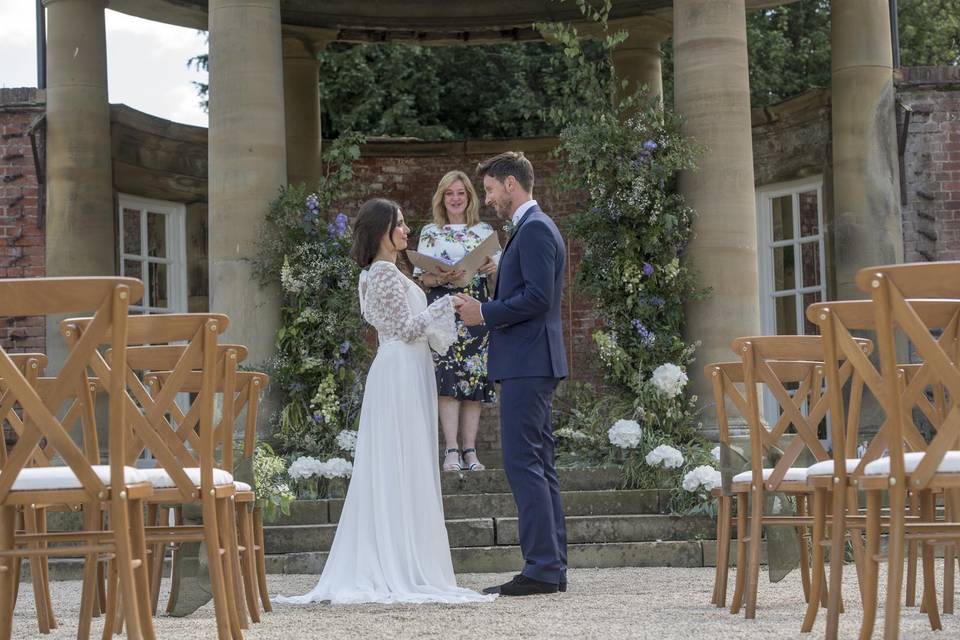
point(462, 370)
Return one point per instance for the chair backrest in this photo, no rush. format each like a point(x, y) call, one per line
point(803, 410)
point(900, 294)
point(109, 298)
point(154, 423)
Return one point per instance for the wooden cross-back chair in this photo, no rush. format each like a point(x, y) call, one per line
point(119, 488)
point(901, 294)
point(727, 378)
point(240, 390)
point(838, 484)
point(802, 410)
point(186, 471)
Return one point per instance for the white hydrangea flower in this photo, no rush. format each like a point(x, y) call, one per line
point(665, 455)
point(347, 440)
point(669, 379)
point(573, 434)
point(625, 434)
point(703, 476)
point(304, 467)
point(715, 452)
point(337, 468)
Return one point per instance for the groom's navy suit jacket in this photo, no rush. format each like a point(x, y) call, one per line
point(526, 331)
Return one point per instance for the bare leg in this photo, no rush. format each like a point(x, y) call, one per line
point(450, 423)
point(470, 423)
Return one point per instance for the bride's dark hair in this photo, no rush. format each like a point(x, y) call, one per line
point(375, 218)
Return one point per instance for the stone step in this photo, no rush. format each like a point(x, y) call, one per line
point(484, 532)
point(499, 559)
point(495, 481)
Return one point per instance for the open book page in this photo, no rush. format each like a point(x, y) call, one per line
point(469, 263)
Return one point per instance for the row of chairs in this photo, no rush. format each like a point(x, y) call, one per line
point(903, 486)
point(141, 367)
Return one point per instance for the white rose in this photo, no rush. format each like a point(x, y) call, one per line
point(665, 455)
point(625, 434)
point(669, 379)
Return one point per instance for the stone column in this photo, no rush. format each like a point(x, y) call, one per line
point(866, 205)
point(248, 164)
point(301, 96)
point(638, 59)
point(80, 209)
point(712, 93)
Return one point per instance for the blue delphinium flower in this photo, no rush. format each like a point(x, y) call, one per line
point(655, 301)
point(338, 228)
point(344, 346)
point(313, 203)
point(646, 336)
point(647, 269)
point(649, 146)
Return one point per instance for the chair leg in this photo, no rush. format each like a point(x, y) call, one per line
point(753, 551)
point(928, 514)
point(723, 549)
point(92, 570)
point(949, 553)
point(175, 562)
point(228, 529)
point(895, 557)
point(29, 514)
point(226, 629)
point(871, 565)
point(261, 558)
point(741, 578)
point(141, 574)
point(156, 556)
point(912, 551)
point(102, 574)
point(716, 569)
point(110, 600)
point(45, 569)
point(816, 585)
point(803, 541)
point(8, 579)
point(838, 538)
point(245, 527)
point(126, 558)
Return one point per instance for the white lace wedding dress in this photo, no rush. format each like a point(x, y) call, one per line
point(391, 543)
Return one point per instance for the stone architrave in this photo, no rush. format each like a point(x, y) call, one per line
point(712, 93)
point(248, 164)
point(80, 207)
point(866, 227)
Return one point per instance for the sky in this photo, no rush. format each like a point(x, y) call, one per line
point(146, 61)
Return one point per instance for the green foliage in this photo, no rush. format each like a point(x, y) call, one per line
point(321, 352)
point(269, 481)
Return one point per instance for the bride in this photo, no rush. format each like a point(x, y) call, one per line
point(391, 543)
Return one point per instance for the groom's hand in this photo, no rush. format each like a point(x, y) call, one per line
point(469, 310)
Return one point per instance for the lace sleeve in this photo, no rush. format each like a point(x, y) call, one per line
point(389, 312)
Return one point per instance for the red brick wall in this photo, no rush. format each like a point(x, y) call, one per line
point(21, 239)
point(931, 217)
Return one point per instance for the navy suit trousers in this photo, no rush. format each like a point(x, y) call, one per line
point(529, 460)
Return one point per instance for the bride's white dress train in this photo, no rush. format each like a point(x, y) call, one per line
point(391, 543)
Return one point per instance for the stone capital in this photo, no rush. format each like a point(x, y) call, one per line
point(306, 42)
point(643, 32)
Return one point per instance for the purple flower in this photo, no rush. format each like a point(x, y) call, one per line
point(646, 336)
point(647, 269)
point(341, 221)
point(339, 364)
point(344, 346)
point(649, 146)
point(318, 417)
point(655, 301)
point(313, 203)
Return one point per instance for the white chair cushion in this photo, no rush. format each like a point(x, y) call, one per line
point(242, 486)
point(881, 466)
point(794, 474)
point(51, 478)
point(160, 479)
point(825, 468)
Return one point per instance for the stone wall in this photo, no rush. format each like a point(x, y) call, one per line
point(931, 215)
point(21, 225)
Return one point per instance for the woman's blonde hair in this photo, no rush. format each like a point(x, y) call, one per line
point(472, 212)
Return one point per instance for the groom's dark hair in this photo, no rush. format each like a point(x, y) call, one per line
point(510, 163)
point(376, 218)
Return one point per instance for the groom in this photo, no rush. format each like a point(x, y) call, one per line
point(528, 359)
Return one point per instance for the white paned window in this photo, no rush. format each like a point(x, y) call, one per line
point(793, 270)
point(153, 249)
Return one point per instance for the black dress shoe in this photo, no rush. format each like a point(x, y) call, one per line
point(562, 587)
point(521, 585)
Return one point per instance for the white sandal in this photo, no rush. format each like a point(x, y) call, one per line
point(476, 466)
point(452, 466)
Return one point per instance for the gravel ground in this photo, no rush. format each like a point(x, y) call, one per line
point(654, 603)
